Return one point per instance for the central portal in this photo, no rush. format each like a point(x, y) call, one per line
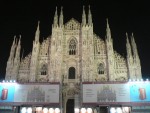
point(104, 109)
point(70, 106)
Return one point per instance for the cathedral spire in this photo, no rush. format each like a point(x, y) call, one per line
point(61, 18)
point(110, 53)
point(17, 55)
point(90, 17)
point(22, 54)
point(136, 59)
point(37, 34)
point(134, 47)
point(19, 43)
point(83, 17)
point(16, 61)
point(108, 32)
point(128, 47)
point(12, 51)
point(55, 23)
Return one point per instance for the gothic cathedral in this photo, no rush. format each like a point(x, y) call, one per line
point(72, 54)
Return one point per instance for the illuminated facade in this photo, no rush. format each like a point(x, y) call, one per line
point(73, 53)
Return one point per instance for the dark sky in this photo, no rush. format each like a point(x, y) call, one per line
point(21, 17)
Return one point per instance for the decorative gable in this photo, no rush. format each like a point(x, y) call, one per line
point(72, 25)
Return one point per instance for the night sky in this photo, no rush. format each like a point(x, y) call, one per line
point(21, 17)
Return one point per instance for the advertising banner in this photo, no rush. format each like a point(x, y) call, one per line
point(95, 93)
point(140, 92)
point(137, 91)
point(13, 92)
point(37, 93)
point(113, 93)
point(89, 93)
point(7, 92)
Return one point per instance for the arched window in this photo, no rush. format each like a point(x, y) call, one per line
point(71, 74)
point(100, 68)
point(72, 47)
point(44, 69)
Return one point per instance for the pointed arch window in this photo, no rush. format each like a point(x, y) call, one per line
point(101, 68)
point(44, 69)
point(72, 47)
point(71, 73)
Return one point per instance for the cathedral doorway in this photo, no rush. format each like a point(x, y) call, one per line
point(70, 106)
point(104, 109)
point(71, 73)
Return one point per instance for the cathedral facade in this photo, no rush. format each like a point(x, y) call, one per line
point(73, 53)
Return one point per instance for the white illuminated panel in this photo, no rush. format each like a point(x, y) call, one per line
point(119, 110)
point(126, 109)
point(57, 110)
point(89, 110)
point(38, 109)
point(112, 110)
point(29, 110)
point(45, 110)
point(83, 110)
point(23, 110)
point(51, 110)
point(77, 110)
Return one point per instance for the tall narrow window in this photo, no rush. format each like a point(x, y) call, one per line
point(44, 70)
point(72, 47)
point(71, 73)
point(100, 68)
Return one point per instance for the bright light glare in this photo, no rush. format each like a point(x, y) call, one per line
point(23, 110)
point(45, 110)
point(89, 110)
point(29, 110)
point(51, 110)
point(125, 109)
point(76, 110)
point(38, 109)
point(119, 110)
point(83, 110)
point(112, 110)
point(57, 110)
